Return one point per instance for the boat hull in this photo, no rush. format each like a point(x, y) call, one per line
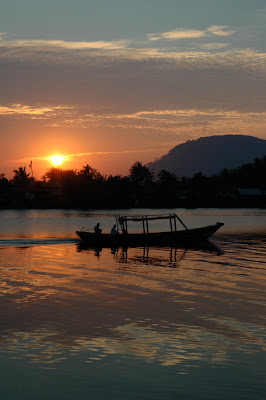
point(171, 238)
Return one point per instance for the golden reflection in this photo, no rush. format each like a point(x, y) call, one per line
point(47, 271)
point(183, 347)
point(57, 302)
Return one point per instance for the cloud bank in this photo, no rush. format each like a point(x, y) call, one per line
point(109, 53)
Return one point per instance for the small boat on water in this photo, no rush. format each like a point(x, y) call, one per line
point(171, 237)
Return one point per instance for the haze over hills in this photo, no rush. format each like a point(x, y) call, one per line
point(210, 155)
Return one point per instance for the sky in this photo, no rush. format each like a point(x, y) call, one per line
point(111, 82)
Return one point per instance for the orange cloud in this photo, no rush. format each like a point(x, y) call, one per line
point(63, 44)
point(177, 34)
point(216, 30)
point(157, 120)
point(31, 111)
point(220, 30)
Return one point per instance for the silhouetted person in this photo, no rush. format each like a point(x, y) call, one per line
point(114, 231)
point(97, 228)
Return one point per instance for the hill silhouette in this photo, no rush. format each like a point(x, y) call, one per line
point(210, 155)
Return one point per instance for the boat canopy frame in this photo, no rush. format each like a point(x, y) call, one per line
point(122, 220)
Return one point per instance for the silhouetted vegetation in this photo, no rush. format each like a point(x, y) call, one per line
point(21, 176)
point(89, 189)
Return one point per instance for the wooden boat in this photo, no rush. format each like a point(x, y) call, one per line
point(171, 237)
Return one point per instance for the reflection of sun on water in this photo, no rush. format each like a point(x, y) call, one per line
point(56, 160)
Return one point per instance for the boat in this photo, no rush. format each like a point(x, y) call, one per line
point(172, 237)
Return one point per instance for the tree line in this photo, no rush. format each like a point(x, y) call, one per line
point(89, 189)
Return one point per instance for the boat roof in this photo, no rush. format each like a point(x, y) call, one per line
point(125, 218)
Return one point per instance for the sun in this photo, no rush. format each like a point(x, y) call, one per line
point(56, 160)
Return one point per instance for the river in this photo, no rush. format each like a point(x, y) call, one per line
point(137, 323)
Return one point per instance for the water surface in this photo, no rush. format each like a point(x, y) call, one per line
point(136, 323)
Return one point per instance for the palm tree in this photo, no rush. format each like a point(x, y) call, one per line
point(3, 180)
point(140, 174)
point(167, 178)
point(21, 176)
point(60, 176)
point(53, 175)
point(141, 178)
point(91, 174)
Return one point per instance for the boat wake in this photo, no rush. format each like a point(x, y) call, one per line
point(29, 242)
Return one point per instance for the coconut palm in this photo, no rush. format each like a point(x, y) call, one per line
point(91, 174)
point(140, 174)
point(21, 176)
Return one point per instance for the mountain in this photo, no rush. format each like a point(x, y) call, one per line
point(210, 155)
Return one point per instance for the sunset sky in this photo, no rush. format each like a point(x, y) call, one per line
point(111, 82)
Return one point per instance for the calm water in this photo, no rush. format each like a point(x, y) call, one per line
point(142, 323)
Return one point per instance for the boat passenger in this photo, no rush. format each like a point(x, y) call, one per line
point(97, 228)
point(114, 231)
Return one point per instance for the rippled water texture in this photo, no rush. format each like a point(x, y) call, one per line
point(136, 323)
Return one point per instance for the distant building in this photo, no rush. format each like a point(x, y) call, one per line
point(249, 192)
point(251, 197)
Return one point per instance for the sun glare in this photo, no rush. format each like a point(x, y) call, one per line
point(56, 160)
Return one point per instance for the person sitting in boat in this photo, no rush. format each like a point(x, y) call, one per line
point(114, 231)
point(97, 228)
